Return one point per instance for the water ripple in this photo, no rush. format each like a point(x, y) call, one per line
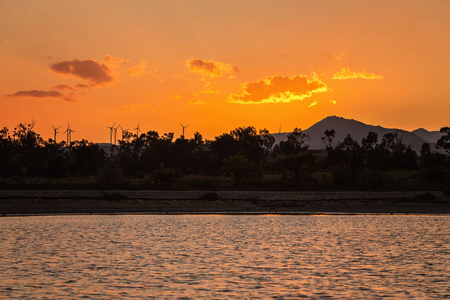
point(201, 256)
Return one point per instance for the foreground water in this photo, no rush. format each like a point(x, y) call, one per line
point(225, 256)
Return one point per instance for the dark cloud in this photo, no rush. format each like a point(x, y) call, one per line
point(63, 87)
point(43, 94)
point(277, 89)
point(82, 86)
point(87, 69)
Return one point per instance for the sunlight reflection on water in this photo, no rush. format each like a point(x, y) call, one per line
point(225, 256)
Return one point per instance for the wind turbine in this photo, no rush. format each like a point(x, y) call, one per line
point(123, 130)
point(137, 129)
point(69, 134)
point(115, 134)
point(56, 132)
point(71, 131)
point(183, 129)
point(111, 128)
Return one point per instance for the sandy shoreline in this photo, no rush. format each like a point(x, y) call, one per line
point(30, 202)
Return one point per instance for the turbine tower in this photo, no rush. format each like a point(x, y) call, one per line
point(123, 130)
point(56, 132)
point(182, 137)
point(111, 128)
point(137, 129)
point(71, 131)
point(115, 134)
point(69, 134)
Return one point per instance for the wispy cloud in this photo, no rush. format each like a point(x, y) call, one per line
point(138, 69)
point(314, 103)
point(82, 86)
point(63, 87)
point(198, 102)
point(345, 73)
point(43, 94)
point(278, 89)
point(337, 57)
point(133, 69)
point(210, 68)
point(114, 61)
point(88, 69)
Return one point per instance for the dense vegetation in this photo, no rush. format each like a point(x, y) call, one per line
point(243, 158)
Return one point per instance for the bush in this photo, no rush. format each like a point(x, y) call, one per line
point(165, 177)
point(372, 179)
point(241, 170)
point(435, 174)
point(297, 168)
point(343, 176)
point(110, 175)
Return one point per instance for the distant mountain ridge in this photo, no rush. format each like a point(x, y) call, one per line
point(358, 131)
point(430, 136)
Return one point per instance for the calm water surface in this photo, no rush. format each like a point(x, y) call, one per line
point(225, 256)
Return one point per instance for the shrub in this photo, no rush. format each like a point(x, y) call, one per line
point(241, 170)
point(110, 175)
point(343, 176)
point(165, 177)
point(297, 168)
point(435, 174)
point(372, 179)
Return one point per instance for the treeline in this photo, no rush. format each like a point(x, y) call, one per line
point(245, 155)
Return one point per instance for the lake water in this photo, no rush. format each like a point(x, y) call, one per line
point(224, 256)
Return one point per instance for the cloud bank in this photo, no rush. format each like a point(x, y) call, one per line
point(94, 72)
point(210, 68)
point(278, 89)
point(88, 69)
point(345, 73)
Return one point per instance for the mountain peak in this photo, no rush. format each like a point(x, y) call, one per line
point(429, 136)
point(359, 130)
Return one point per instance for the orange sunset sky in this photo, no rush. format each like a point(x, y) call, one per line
point(218, 65)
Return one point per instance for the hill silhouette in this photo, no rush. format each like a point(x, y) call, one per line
point(429, 136)
point(359, 130)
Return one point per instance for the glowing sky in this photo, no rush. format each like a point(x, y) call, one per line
point(217, 65)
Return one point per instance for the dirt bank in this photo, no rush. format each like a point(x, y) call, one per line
point(132, 201)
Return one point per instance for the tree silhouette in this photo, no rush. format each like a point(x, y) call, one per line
point(444, 141)
point(328, 138)
point(295, 143)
